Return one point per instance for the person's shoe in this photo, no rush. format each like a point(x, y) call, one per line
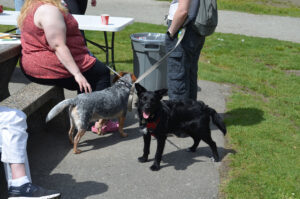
point(110, 126)
point(30, 190)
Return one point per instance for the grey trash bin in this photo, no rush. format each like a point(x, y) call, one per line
point(148, 48)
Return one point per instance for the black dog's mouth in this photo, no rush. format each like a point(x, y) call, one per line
point(146, 115)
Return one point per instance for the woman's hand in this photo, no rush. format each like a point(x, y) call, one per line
point(94, 3)
point(83, 83)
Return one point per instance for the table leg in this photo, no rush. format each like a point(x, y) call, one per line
point(112, 51)
point(11, 30)
point(106, 48)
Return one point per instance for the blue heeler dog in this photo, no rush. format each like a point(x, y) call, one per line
point(96, 106)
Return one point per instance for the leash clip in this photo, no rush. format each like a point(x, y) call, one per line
point(130, 98)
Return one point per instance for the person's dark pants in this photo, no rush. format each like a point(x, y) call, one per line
point(77, 7)
point(98, 77)
point(182, 65)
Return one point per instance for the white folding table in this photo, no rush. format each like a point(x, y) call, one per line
point(86, 22)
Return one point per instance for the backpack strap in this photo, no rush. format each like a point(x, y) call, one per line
point(193, 11)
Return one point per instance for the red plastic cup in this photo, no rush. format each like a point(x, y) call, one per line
point(104, 19)
point(1, 8)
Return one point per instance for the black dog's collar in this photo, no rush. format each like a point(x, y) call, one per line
point(152, 125)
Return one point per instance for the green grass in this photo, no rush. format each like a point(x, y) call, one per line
point(270, 7)
point(263, 111)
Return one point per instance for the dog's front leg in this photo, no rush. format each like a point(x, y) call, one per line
point(121, 126)
point(147, 141)
point(161, 140)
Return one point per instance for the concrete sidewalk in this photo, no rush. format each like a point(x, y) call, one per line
point(108, 166)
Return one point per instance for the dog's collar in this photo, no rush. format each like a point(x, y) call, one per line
point(152, 125)
point(127, 84)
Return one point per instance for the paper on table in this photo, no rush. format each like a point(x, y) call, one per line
point(6, 38)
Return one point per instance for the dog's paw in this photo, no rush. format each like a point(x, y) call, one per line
point(191, 149)
point(124, 135)
point(154, 167)
point(143, 131)
point(215, 159)
point(143, 159)
point(77, 151)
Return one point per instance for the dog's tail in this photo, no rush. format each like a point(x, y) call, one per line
point(59, 108)
point(217, 120)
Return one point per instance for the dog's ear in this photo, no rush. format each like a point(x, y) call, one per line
point(116, 77)
point(133, 77)
point(161, 92)
point(139, 88)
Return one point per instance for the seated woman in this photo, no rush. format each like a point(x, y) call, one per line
point(13, 142)
point(54, 51)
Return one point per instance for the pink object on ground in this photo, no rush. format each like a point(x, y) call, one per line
point(110, 126)
point(94, 129)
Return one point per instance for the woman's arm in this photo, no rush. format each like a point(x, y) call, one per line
point(179, 16)
point(50, 19)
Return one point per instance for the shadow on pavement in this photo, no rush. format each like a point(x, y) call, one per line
point(47, 149)
point(106, 141)
point(182, 159)
point(72, 189)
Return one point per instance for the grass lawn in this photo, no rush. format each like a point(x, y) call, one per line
point(271, 7)
point(263, 112)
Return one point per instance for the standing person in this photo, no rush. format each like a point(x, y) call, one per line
point(18, 6)
point(13, 141)
point(79, 7)
point(183, 61)
point(54, 51)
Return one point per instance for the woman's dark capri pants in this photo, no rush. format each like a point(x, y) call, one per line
point(183, 65)
point(98, 77)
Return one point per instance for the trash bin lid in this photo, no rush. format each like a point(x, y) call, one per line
point(148, 37)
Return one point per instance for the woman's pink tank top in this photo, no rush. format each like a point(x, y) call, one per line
point(38, 58)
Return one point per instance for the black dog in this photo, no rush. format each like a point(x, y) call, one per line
point(161, 117)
